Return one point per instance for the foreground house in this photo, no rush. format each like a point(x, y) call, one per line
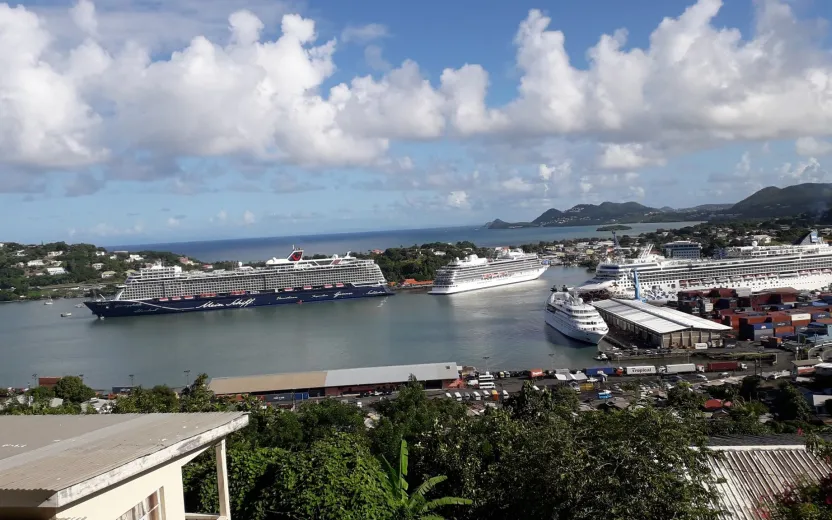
point(124, 467)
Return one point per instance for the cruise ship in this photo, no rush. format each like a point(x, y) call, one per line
point(167, 289)
point(805, 265)
point(472, 273)
point(567, 313)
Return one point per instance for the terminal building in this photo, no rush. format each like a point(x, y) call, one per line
point(659, 326)
point(333, 383)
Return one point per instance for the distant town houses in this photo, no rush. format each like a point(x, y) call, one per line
point(108, 274)
point(53, 254)
point(20, 252)
point(184, 260)
point(34, 263)
point(101, 253)
point(97, 266)
point(54, 271)
point(135, 258)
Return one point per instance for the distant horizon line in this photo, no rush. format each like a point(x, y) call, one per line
point(380, 231)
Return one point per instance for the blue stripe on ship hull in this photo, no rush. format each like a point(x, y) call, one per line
point(119, 308)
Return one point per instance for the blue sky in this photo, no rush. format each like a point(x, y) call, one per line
point(149, 122)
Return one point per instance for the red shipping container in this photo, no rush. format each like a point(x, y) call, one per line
point(751, 320)
point(801, 323)
point(784, 330)
point(824, 320)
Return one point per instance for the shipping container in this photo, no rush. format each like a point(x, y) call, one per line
point(594, 371)
point(816, 315)
point(587, 387)
point(682, 368)
point(722, 366)
point(798, 316)
point(805, 370)
point(640, 370)
point(700, 346)
point(535, 372)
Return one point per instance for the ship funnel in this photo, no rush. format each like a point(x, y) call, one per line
point(296, 256)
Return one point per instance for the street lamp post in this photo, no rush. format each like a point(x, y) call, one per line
point(552, 356)
point(131, 380)
point(486, 358)
point(187, 378)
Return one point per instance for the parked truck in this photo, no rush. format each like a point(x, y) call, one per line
point(682, 368)
point(725, 366)
point(599, 370)
point(639, 370)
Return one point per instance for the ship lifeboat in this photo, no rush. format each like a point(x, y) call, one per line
point(207, 295)
point(176, 298)
point(307, 287)
point(163, 299)
point(288, 289)
point(826, 271)
point(803, 273)
point(188, 297)
point(328, 286)
point(237, 293)
point(772, 275)
point(339, 285)
point(761, 276)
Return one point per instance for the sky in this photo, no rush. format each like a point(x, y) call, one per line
point(142, 121)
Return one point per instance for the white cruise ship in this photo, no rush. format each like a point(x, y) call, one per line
point(568, 314)
point(472, 273)
point(806, 265)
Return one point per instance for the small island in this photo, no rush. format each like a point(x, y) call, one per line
point(614, 227)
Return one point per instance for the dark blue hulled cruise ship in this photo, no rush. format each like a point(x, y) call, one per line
point(167, 289)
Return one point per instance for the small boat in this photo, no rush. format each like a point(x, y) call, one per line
point(48, 301)
point(79, 306)
point(601, 357)
point(66, 314)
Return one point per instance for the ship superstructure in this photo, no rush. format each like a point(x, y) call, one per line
point(472, 272)
point(168, 289)
point(806, 265)
point(567, 313)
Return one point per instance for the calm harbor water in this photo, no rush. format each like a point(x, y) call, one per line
point(257, 249)
point(506, 324)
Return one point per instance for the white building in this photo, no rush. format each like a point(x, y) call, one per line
point(108, 274)
point(135, 258)
point(34, 263)
point(683, 249)
point(101, 253)
point(55, 270)
point(105, 467)
point(53, 254)
point(97, 266)
point(21, 252)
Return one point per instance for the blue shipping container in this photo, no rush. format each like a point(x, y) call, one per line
point(761, 326)
point(595, 370)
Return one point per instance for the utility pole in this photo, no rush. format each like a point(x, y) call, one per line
point(131, 380)
point(187, 378)
point(486, 358)
point(552, 356)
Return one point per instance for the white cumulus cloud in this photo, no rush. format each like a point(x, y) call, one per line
point(812, 146)
point(249, 218)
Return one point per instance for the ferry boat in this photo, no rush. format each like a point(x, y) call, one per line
point(167, 289)
point(804, 265)
point(567, 313)
point(472, 272)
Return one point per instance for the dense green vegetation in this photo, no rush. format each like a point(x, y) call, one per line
point(537, 457)
point(421, 262)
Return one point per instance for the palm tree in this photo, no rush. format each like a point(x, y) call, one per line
point(415, 505)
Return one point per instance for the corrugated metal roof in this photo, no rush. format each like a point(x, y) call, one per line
point(51, 453)
point(333, 378)
point(749, 477)
point(660, 320)
point(391, 374)
point(267, 383)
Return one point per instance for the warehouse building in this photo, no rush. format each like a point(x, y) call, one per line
point(659, 326)
point(303, 385)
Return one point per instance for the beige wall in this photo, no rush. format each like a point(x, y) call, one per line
point(115, 502)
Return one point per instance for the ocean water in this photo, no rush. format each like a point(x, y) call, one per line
point(259, 249)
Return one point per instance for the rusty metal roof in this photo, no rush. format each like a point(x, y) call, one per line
point(52, 454)
point(267, 383)
point(272, 383)
point(752, 475)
